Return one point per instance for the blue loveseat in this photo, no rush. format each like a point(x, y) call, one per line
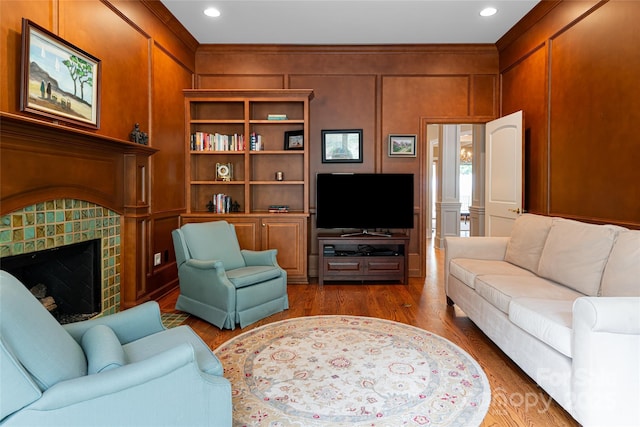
point(125, 369)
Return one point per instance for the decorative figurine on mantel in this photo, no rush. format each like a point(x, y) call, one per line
point(138, 136)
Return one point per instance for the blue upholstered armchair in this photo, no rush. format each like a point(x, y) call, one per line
point(125, 369)
point(223, 284)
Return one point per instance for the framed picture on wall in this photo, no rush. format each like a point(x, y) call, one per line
point(342, 146)
point(294, 140)
point(402, 145)
point(58, 80)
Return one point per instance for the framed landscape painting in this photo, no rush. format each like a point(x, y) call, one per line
point(59, 80)
point(402, 145)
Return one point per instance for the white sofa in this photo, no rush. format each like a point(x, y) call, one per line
point(562, 299)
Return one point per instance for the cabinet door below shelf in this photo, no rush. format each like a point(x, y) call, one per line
point(287, 234)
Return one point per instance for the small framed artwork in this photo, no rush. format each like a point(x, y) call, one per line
point(294, 140)
point(402, 145)
point(342, 146)
point(58, 80)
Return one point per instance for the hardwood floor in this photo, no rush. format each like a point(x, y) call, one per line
point(516, 400)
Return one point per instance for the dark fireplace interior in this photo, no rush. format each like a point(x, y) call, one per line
point(67, 279)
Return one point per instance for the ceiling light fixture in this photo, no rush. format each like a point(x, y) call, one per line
point(212, 12)
point(488, 11)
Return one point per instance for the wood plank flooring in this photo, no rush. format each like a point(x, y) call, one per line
point(516, 399)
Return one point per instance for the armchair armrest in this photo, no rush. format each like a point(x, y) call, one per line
point(89, 387)
point(606, 350)
point(205, 264)
point(140, 392)
point(265, 257)
point(128, 325)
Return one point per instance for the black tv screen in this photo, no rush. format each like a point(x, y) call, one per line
point(365, 201)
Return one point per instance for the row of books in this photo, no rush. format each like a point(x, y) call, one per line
point(255, 143)
point(278, 208)
point(203, 141)
point(220, 203)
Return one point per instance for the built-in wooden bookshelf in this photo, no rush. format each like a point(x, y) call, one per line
point(235, 140)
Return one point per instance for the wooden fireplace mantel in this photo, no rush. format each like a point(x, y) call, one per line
point(41, 161)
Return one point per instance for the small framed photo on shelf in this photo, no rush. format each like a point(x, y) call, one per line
point(342, 146)
point(58, 80)
point(294, 140)
point(402, 145)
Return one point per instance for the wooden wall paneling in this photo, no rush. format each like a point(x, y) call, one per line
point(235, 81)
point(124, 51)
point(484, 94)
point(164, 277)
point(546, 19)
point(11, 13)
point(595, 111)
point(165, 28)
point(168, 166)
point(524, 87)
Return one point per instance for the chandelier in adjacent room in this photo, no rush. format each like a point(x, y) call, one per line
point(466, 156)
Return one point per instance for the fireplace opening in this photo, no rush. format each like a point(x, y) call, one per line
point(66, 279)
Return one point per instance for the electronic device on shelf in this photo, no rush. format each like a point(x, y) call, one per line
point(329, 250)
point(365, 201)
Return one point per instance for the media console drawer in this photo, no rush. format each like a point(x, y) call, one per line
point(362, 258)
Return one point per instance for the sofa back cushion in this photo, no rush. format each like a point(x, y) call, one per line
point(213, 240)
point(527, 239)
point(576, 253)
point(36, 339)
point(622, 274)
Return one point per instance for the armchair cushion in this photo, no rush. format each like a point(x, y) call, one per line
point(102, 349)
point(213, 240)
point(241, 277)
point(147, 347)
point(36, 338)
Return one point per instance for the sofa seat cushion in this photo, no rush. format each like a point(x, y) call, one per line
point(151, 345)
point(622, 274)
point(500, 290)
point(245, 276)
point(548, 320)
point(466, 269)
point(575, 254)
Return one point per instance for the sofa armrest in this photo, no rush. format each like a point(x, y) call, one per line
point(477, 247)
point(266, 257)
point(129, 325)
point(606, 350)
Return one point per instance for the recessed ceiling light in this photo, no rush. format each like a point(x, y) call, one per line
point(488, 11)
point(212, 12)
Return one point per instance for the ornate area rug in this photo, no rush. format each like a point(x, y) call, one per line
point(351, 371)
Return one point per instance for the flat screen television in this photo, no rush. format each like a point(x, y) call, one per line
point(364, 201)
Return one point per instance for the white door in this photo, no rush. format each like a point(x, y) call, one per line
point(503, 174)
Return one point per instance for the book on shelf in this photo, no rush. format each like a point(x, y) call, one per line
point(255, 142)
point(204, 141)
point(276, 117)
point(220, 203)
point(278, 208)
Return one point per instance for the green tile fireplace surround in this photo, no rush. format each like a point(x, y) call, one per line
point(61, 222)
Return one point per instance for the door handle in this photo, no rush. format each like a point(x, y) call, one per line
point(517, 211)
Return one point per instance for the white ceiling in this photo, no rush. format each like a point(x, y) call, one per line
point(348, 22)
